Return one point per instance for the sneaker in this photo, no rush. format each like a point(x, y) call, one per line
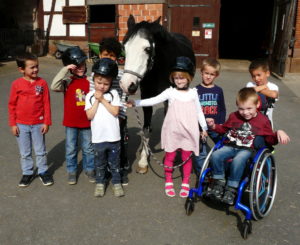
point(124, 180)
point(217, 189)
point(46, 179)
point(72, 179)
point(26, 180)
point(118, 190)
point(229, 195)
point(91, 176)
point(99, 190)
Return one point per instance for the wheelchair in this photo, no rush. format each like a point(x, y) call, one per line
point(257, 187)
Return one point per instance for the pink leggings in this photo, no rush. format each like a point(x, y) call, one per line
point(186, 168)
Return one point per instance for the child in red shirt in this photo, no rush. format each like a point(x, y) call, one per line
point(29, 118)
point(241, 128)
point(75, 88)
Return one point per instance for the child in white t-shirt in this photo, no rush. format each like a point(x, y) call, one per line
point(268, 91)
point(102, 108)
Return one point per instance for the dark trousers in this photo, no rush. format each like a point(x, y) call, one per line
point(107, 154)
point(124, 164)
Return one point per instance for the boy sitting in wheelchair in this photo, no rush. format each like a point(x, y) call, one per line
point(242, 128)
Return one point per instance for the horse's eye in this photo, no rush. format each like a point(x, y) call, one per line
point(148, 50)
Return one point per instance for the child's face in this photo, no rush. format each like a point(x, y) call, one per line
point(80, 70)
point(108, 54)
point(248, 109)
point(259, 76)
point(209, 74)
point(102, 84)
point(180, 81)
point(31, 69)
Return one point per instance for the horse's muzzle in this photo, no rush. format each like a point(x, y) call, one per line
point(133, 88)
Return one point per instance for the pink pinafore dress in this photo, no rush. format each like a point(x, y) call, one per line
point(180, 128)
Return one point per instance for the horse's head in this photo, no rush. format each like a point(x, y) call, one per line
point(140, 52)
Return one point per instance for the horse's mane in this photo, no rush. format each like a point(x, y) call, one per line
point(157, 30)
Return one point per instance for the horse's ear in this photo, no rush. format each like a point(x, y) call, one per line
point(158, 20)
point(130, 22)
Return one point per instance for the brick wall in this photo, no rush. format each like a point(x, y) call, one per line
point(140, 12)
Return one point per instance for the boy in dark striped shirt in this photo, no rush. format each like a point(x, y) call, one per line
point(212, 102)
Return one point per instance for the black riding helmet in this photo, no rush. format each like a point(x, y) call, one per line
point(106, 67)
point(73, 55)
point(184, 64)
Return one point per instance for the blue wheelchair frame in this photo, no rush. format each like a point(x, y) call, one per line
point(261, 181)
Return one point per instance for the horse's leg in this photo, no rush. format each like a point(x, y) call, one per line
point(143, 162)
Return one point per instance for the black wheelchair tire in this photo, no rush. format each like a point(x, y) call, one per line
point(263, 177)
point(189, 206)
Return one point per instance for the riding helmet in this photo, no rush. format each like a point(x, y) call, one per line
point(73, 55)
point(106, 67)
point(184, 64)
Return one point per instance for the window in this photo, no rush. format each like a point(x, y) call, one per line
point(196, 21)
point(102, 13)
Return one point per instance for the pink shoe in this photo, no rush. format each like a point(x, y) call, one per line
point(169, 189)
point(184, 192)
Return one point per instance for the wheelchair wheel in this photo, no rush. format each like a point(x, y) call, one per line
point(206, 162)
point(246, 229)
point(263, 185)
point(189, 206)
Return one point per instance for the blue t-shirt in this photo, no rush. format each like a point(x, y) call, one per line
point(212, 103)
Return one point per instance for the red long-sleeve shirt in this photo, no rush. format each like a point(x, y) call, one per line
point(29, 102)
point(241, 132)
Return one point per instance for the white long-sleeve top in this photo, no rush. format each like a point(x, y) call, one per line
point(172, 94)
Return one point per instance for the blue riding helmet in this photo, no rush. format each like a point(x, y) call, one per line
point(184, 64)
point(73, 55)
point(106, 67)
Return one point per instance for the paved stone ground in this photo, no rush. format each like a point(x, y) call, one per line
point(63, 214)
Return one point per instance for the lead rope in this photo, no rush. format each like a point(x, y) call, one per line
point(150, 153)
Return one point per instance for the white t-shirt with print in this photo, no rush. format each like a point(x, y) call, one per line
point(104, 126)
point(271, 86)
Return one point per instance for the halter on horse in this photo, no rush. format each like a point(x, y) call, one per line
point(151, 52)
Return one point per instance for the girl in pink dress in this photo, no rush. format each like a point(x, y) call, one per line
point(180, 130)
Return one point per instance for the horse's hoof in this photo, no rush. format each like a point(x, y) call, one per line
point(141, 170)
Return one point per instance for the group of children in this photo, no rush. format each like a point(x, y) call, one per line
point(246, 129)
point(95, 116)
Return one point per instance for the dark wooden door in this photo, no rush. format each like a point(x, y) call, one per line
point(283, 24)
point(98, 31)
point(198, 20)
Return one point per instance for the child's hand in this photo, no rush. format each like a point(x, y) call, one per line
point(44, 129)
point(130, 103)
point(282, 136)
point(15, 130)
point(203, 135)
point(71, 67)
point(210, 122)
point(259, 88)
point(98, 95)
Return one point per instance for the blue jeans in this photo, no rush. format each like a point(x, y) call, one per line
point(259, 142)
point(73, 137)
point(31, 136)
point(107, 153)
point(204, 150)
point(236, 167)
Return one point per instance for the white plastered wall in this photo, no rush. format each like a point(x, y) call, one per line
point(57, 27)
